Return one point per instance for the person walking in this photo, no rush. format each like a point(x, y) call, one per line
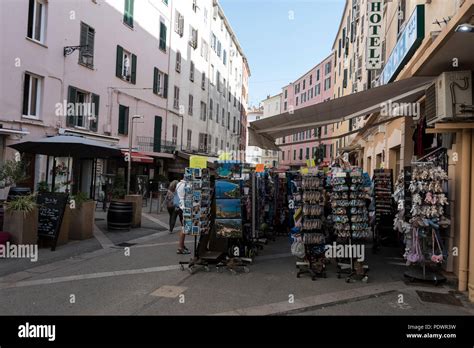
point(179, 203)
point(170, 204)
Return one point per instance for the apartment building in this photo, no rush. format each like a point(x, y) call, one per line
point(172, 71)
point(271, 106)
point(316, 86)
point(254, 154)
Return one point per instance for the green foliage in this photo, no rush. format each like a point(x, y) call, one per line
point(80, 198)
point(119, 190)
point(24, 204)
point(13, 172)
point(42, 186)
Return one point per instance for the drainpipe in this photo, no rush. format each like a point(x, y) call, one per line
point(471, 239)
point(464, 211)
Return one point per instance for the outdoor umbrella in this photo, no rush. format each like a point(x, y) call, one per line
point(67, 146)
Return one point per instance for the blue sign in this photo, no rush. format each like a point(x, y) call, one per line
point(410, 39)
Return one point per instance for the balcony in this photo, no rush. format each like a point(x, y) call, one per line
point(147, 144)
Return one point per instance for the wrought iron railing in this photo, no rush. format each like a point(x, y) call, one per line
point(148, 144)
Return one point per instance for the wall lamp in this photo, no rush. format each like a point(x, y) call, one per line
point(70, 49)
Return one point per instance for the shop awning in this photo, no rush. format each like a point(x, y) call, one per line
point(138, 157)
point(263, 133)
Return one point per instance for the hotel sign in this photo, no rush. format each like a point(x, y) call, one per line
point(409, 40)
point(374, 37)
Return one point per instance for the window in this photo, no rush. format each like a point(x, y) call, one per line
point(123, 120)
point(189, 139)
point(234, 124)
point(219, 49)
point(283, 156)
point(204, 49)
point(217, 113)
point(126, 68)
point(317, 75)
point(327, 83)
point(217, 145)
point(223, 117)
point(202, 142)
point(228, 120)
point(203, 111)
point(344, 81)
point(160, 83)
point(190, 105)
point(222, 144)
point(203, 81)
point(85, 110)
point(36, 20)
point(224, 57)
point(174, 135)
point(128, 13)
point(213, 42)
point(285, 106)
point(194, 5)
point(301, 154)
point(218, 81)
point(86, 53)
point(178, 61)
point(213, 82)
point(310, 80)
point(32, 95)
point(179, 23)
point(304, 85)
point(317, 89)
point(211, 105)
point(307, 153)
point(294, 155)
point(163, 30)
point(191, 72)
point(297, 101)
point(327, 68)
point(193, 37)
point(176, 98)
point(286, 93)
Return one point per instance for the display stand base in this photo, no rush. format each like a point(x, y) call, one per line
point(347, 268)
point(304, 267)
point(235, 265)
point(424, 276)
point(194, 265)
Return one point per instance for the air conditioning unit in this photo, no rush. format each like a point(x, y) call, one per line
point(450, 98)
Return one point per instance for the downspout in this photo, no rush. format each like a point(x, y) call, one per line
point(464, 210)
point(169, 64)
point(471, 237)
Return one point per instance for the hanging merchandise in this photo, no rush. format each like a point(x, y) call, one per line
point(383, 190)
point(281, 205)
point(350, 220)
point(312, 237)
point(428, 220)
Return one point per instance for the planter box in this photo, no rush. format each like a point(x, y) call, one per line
point(137, 201)
point(82, 221)
point(23, 228)
point(63, 237)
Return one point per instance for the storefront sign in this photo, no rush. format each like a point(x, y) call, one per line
point(374, 37)
point(409, 40)
point(50, 216)
point(259, 168)
point(198, 162)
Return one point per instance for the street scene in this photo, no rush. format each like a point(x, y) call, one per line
point(237, 158)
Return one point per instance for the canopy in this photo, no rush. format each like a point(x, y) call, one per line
point(138, 157)
point(67, 146)
point(262, 133)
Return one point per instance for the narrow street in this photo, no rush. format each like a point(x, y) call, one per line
point(104, 281)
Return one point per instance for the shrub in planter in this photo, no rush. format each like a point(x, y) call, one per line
point(21, 219)
point(82, 217)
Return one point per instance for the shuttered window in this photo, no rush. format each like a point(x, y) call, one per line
point(123, 120)
point(86, 53)
point(128, 13)
point(163, 36)
point(126, 65)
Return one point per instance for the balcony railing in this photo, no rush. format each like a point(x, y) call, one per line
point(148, 144)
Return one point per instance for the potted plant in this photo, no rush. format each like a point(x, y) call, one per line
point(42, 186)
point(11, 175)
point(21, 219)
point(82, 217)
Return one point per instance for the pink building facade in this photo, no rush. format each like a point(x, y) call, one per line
point(316, 86)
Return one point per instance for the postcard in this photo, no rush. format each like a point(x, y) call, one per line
point(229, 228)
point(228, 209)
point(227, 189)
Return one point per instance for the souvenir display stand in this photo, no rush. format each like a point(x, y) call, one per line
point(198, 195)
point(229, 203)
point(383, 190)
point(428, 220)
point(312, 232)
point(281, 205)
point(350, 219)
point(265, 206)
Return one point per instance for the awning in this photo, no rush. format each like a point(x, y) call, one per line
point(263, 133)
point(138, 157)
point(7, 131)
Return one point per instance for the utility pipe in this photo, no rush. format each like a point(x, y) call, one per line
point(471, 237)
point(464, 210)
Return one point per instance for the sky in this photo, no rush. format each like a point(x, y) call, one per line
point(282, 39)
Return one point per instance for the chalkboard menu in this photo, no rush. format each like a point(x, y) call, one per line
point(51, 211)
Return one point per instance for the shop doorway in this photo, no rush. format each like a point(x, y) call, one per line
point(378, 161)
point(394, 160)
point(369, 165)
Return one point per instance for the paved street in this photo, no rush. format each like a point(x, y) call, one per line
point(104, 280)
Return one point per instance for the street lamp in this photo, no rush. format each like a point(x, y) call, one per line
point(130, 141)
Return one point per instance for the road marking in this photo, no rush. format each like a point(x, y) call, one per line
point(169, 291)
point(88, 276)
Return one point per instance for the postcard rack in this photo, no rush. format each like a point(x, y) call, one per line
point(383, 190)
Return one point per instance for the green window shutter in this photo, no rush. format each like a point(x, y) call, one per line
point(123, 120)
point(95, 121)
point(70, 119)
point(26, 93)
point(163, 36)
point(134, 69)
point(119, 65)
point(157, 135)
point(155, 80)
point(165, 86)
point(29, 30)
point(128, 12)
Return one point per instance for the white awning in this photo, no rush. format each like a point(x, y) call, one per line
point(262, 133)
